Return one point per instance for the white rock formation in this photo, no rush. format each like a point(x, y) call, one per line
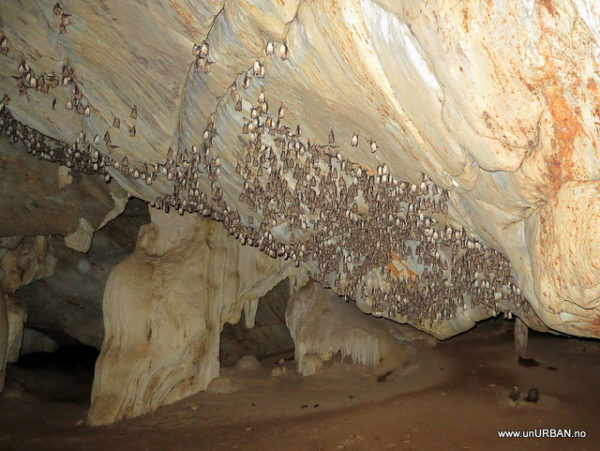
point(17, 315)
point(164, 308)
point(81, 239)
point(64, 176)
point(323, 324)
point(12, 318)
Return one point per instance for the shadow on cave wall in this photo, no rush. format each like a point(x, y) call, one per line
point(64, 376)
point(269, 336)
point(67, 307)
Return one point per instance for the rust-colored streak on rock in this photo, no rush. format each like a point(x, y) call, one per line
point(549, 7)
point(405, 270)
point(393, 269)
point(546, 230)
point(186, 17)
point(595, 326)
point(465, 22)
point(593, 90)
point(566, 128)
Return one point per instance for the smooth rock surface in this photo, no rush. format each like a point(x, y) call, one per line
point(34, 341)
point(221, 385)
point(12, 318)
point(248, 363)
point(17, 316)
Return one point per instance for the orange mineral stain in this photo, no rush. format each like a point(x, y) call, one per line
point(566, 129)
point(404, 269)
point(185, 16)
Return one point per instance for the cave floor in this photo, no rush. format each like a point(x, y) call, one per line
point(454, 396)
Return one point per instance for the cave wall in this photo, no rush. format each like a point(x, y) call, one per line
point(267, 337)
point(50, 199)
point(496, 104)
point(47, 211)
point(67, 305)
point(4, 332)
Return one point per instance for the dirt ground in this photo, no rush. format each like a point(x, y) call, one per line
point(452, 396)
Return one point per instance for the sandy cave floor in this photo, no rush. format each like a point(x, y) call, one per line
point(452, 396)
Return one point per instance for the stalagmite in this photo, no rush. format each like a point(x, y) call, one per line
point(17, 316)
point(520, 337)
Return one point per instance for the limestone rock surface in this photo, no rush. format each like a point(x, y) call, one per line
point(37, 201)
point(23, 260)
point(17, 315)
point(322, 324)
point(34, 341)
point(268, 336)
point(495, 103)
point(67, 305)
point(4, 335)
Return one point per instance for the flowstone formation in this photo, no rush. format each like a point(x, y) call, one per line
point(164, 308)
point(322, 325)
point(434, 163)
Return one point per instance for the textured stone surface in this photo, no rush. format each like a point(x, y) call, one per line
point(17, 315)
point(23, 260)
point(268, 335)
point(12, 318)
point(4, 335)
point(520, 335)
point(497, 103)
point(40, 203)
point(34, 341)
point(322, 324)
point(67, 306)
point(164, 308)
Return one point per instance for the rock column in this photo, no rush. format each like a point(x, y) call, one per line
point(520, 336)
point(164, 308)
